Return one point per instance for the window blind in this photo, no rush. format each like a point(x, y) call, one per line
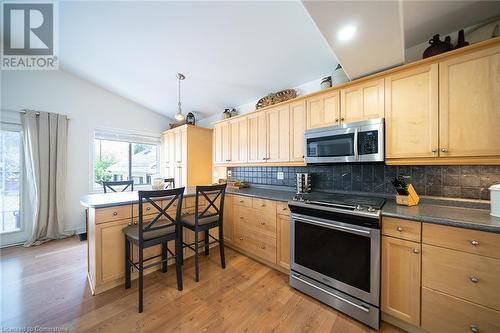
point(126, 137)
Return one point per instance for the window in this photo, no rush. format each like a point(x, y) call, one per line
point(120, 157)
point(10, 178)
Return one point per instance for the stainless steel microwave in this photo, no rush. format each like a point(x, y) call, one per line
point(361, 141)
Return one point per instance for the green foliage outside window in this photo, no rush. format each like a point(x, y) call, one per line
point(100, 168)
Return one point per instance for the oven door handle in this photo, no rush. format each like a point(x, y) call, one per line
point(360, 307)
point(333, 226)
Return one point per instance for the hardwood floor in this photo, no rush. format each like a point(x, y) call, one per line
point(46, 286)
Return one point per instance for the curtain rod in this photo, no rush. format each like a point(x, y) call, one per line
point(36, 112)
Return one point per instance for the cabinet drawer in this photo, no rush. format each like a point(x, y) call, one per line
point(399, 228)
point(113, 213)
point(255, 242)
point(242, 201)
point(264, 206)
point(443, 314)
point(282, 208)
point(472, 241)
point(468, 276)
point(147, 208)
point(251, 219)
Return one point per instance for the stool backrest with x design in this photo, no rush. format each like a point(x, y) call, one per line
point(164, 218)
point(110, 185)
point(214, 210)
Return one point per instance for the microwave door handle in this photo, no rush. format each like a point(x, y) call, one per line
point(334, 226)
point(356, 156)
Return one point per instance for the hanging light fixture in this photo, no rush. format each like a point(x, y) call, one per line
point(179, 116)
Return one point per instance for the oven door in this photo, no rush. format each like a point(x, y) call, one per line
point(331, 145)
point(340, 255)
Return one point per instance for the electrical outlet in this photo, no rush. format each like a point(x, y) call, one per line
point(281, 175)
point(229, 173)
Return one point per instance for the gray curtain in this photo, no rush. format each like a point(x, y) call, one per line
point(45, 160)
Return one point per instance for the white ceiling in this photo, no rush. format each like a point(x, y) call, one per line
point(231, 52)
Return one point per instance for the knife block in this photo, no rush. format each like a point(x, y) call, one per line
point(411, 199)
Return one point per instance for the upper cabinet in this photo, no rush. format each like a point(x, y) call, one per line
point(411, 113)
point(362, 101)
point(297, 129)
point(257, 138)
point(238, 140)
point(323, 110)
point(278, 134)
point(469, 104)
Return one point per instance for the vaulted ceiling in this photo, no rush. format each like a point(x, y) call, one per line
point(236, 52)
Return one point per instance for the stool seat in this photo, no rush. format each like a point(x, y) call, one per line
point(132, 231)
point(189, 220)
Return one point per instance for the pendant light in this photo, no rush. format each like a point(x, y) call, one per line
point(179, 116)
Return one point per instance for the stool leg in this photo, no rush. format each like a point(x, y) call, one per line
point(196, 264)
point(127, 264)
point(141, 280)
point(207, 240)
point(178, 267)
point(221, 247)
point(164, 257)
point(181, 244)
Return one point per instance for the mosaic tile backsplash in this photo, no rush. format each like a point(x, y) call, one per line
point(467, 181)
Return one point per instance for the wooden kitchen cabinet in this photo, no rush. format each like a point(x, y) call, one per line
point(278, 134)
point(362, 101)
point(257, 137)
point(297, 129)
point(217, 143)
point(411, 113)
point(469, 104)
point(222, 143)
point(401, 269)
point(283, 223)
point(238, 140)
point(323, 110)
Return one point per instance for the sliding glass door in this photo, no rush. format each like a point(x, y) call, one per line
point(12, 228)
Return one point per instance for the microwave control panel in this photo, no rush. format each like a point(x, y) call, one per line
point(368, 142)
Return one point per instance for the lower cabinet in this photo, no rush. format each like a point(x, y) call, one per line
point(401, 269)
point(283, 223)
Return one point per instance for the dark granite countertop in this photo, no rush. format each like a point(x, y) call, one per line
point(264, 193)
point(470, 218)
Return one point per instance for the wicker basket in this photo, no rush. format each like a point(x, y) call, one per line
point(275, 98)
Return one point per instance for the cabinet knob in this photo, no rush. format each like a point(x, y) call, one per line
point(342, 118)
point(241, 201)
point(474, 279)
point(336, 120)
point(263, 223)
point(263, 247)
point(474, 329)
point(399, 229)
point(474, 242)
point(416, 251)
point(284, 208)
point(148, 208)
point(434, 150)
point(241, 217)
point(444, 150)
point(130, 223)
point(241, 238)
point(115, 213)
point(263, 205)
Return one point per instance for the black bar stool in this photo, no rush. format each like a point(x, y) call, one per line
point(111, 185)
point(206, 218)
point(160, 230)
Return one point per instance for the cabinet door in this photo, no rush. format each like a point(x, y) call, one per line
point(297, 128)
point(239, 140)
point(411, 113)
point(323, 110)
point(278, 134)
point(469, 104)
point(284, 241)
point(362, 101)
point(401, 269)
point(171, 147)
point(257, 136)
point(228, 218)
point(226, 142)
point(178, 146)
point(110, 251)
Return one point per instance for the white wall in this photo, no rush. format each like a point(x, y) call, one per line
point(88, 107)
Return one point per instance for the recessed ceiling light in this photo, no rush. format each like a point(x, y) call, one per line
point(347, 32)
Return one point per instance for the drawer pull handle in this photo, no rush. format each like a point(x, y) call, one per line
point(241, 201)
point(474, 279)
point(115, 213)
point(130, 223)
point(263, 223)
point(284, 208)
point(474, 242)
point(399, 229)
point(263, 205)
point(416, 251)
point(263, 247)
point(241, 217)
point(148, 208)
point(474, 329)
point(241, 238)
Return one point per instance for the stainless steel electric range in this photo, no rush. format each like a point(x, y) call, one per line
point(335, 251)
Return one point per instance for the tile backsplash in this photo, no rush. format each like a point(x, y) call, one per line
point(461, 181)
